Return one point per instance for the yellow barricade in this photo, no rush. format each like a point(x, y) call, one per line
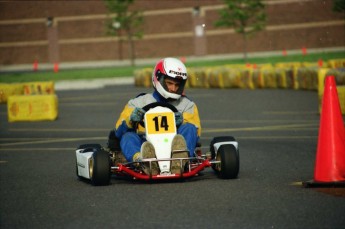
point(246, 78)
point(323, 72)
point(143, 77)
point(288, 65)
point(307, 78)
point(215, 78)
point(284, 78)
point(198, 77)
point(29, 88)
point(7, 90)
point(341, 95)
point(38, 88)
point(336, 63)
point(32, 107)
point(340, 82)
point(257, 78)
point(269, 78)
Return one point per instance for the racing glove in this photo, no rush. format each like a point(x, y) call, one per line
point(137, 115)
point(178, 118)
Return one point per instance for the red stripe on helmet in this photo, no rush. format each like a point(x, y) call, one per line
point(160, 67)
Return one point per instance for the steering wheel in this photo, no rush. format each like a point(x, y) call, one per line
point(157, 104)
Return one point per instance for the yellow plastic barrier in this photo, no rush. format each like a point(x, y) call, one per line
point(198, 78)
point(321, 80)
point(338, 74)
point(323, 72)
point(340, 82)
point(38, 88)
point(7, 90)
point(309, 64)
point(269, 78)
point(246, 78)
point(288, 65)
point(294, 75)
point(215, 78)
point(284, 77)
point(29, 88)
point(143, 77)
point(257, 78)
point(32, 107)
point(230, 77)
point(341, 95)
point(307, 78)
point(336, 63)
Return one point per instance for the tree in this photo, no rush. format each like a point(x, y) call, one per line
point(339, 6)
point(122, 22)
point(245, 16)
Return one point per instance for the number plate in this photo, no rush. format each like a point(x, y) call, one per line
point(160, 123)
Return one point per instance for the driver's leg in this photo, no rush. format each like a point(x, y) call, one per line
point(130, 144)
point(189, 132)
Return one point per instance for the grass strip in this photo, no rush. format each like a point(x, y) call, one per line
point(128, 71)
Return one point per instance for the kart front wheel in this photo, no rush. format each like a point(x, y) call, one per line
point(99, 168)
point(229, 162)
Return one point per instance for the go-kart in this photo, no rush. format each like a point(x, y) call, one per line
point(98, 164)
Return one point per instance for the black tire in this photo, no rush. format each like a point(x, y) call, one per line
point(99, 168)
point(213, 153)
point(88, 146)
point(229, 161)
point(219, 139)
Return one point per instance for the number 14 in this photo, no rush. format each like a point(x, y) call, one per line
point(163, 123)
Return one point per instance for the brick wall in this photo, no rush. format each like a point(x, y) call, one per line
point(168, 30)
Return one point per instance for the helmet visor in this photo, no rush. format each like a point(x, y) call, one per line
point(166, 81)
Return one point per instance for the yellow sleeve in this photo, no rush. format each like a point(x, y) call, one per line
point(193, 118)
point(124, 116)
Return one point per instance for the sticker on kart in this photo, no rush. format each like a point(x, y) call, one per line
point(160, 123)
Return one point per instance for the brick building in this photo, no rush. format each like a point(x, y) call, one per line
point(74, 31)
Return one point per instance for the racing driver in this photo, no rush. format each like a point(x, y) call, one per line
point(168, 78)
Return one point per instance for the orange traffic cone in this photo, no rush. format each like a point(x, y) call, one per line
point(304, 51)
point(284, 52)
point(35, 66)
point(56, 67)
point(330, 156)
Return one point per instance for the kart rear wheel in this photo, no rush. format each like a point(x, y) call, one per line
point(99, 168)
point(229, 162)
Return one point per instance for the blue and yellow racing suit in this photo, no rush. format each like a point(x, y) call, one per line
point(131, 141)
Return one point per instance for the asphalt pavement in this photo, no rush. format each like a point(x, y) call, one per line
point(277, 131)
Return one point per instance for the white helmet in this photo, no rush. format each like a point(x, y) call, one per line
point(169, 68)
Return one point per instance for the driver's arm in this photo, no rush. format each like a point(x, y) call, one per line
point(124, 124)
point(191, 115)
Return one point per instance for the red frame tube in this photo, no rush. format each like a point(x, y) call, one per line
point(141, 176)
